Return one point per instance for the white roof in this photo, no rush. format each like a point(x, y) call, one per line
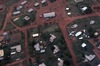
point(20, 7)
point(90, 57)
point(36, 4)
point(30, 10)
point(60, 63)
point(35, 35)
point(92, 22)
point(42, 64)
point(69, 13)
point(80, 37)
point(13, 53)
point(78, 33)
point(48, 15)
point(43, 1)
point(67, 8)
point(24, 2)
point(84, 8)
point(16, 12)
point(26, 17)
point(56, 49)
point(83, 45)
point(17, 47)
point(5, 33)
point(98, 64)
point(1, 53)
point(37, 47)
point(16, 19)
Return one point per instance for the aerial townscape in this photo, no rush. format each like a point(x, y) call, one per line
point(49, 32)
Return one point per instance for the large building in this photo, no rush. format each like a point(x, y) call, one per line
point(49, 15)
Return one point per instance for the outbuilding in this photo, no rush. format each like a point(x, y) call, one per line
point(49, 15)
point(16, 12)
point(24, 2)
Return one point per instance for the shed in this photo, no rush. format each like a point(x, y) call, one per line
point(49, 15)
point(35, 35)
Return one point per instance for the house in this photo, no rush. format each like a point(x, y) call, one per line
point(37, 47)
point(24, 2)
point(67, 9)
point(16, 12)
point(36, 4)
point(20, 7)
point(17, 47)
point(42, 64)
point(49, 15)
point(84, 8)
point(43, 1)
point(83, 45)
point(26, 18)
point(1, 54)
point(77, 1)
point(56, 49)
point(78, 33)
point(52, 38)
point(35, 35)
point(60, 63)
point(30, 10)
point(90, 57)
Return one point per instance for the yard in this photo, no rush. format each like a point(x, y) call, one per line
point(9, 27)
point(48, 56)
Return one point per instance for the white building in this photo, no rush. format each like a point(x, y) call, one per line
point(90, 57)
point(18, 48)
point(77, 1)
point(1, 53)
point(78, 33)
point(83, 45)
point(20, 7)
point(49, 15)
point(30, 10)
point(24, 2)
point(52, 38)
point(60, 63)
point(16, 12)
point(35, 35)
point(43, 1)
point(37, 47)
point(42, 64)
point(36, 4)
point(26, 18)
point(56, 49)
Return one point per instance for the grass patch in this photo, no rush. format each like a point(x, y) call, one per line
point(9, 27)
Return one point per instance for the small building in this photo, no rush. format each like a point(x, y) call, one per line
point(69, 13)
point(77, 1)
point(20, 7)
point(36, 4)
point(78, 33)
point(42, 64)
point(37, 47)
point(52, 38)
point(35, 35)
point(1, 53)
point(27, 18)
point(56, 49)
point(43, 1)
point(90, 57)
point(49, 15)
point(61, 62)
point(24, 2)
point(67, 9)
point(83, 45)
point(30, 10)
point(15, 19)
point(16, 12)
point(17, 47)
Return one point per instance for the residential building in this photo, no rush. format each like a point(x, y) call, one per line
point(35, 35)
point(49, 15)
point(24, 2)
point(30, 10)
point(1, 54)
point(43, 1)
point(16, 12)
point(27, 18)
point(17, 47)
point(36, 4)
point(20, 7)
